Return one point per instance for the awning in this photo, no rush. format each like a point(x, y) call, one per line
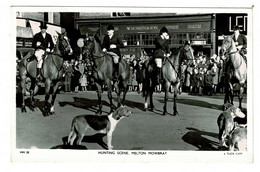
point(24, 32)
point(51, 29)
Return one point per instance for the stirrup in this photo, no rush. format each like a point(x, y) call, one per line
point(38, 78)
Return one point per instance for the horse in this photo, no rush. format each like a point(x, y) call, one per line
point(52, 71)
point(171, 76)
point(103, 73)
point(239, 75)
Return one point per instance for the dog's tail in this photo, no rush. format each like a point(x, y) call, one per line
point(72, 132)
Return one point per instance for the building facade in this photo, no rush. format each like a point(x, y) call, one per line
point(139, 31)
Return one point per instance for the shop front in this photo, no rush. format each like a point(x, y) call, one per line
point(139, 32)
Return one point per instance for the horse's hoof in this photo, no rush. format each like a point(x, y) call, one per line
point(164, 113)
point(52, 113)
point(175, 114)
point(23, 110)
point(144, 109)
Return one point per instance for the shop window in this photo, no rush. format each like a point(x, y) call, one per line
point(148, 39)
point(132, 39)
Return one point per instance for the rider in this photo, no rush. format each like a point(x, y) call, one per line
point(112, 44)
point(241, 44)
point(162, 50)
point(42, 43)
point(240, 41)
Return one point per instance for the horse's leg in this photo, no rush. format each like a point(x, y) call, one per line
point(124, 93)
point(23, 80)
point(231, 93)
point(109, 95)
point(167, 87)
point(47, 95)
point(99, 112)
point(33, 90)
point(175, 112)
point(55, 88)
point(240, 96)
point(151, 98)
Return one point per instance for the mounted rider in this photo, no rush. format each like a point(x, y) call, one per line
point(112, 44)
point(42, 43)
point(240, 41)
point(241, 44)
point(162, 46)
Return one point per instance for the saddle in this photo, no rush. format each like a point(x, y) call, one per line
point(33, 57)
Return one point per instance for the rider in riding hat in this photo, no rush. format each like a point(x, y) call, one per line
point(162, 50)
point(241, 44)
point(240, 41)
point(112, 44)
point(42, 43)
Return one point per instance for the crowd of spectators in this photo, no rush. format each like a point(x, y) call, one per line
point(204, 78)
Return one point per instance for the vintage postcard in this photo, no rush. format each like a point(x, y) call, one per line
point(132, 84)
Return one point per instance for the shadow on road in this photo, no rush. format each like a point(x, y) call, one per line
point(96, 138)
point(195, 138)
point(84, 103)
point(194, 102)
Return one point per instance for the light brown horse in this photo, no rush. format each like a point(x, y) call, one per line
point(239, 75)
point(103, 73)
point(52, 71)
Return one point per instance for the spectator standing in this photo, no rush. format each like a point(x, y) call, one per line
point(193, 81)
point(200, 77)
point(134, 81)
point(83, 82)
point(214, 73)
point(76, 77)
point(208, 83)
point(68, 76)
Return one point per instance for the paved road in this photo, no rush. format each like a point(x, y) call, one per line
point(194, 129)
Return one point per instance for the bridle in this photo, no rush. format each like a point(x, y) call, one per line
point(64, 47)
point(228, 47)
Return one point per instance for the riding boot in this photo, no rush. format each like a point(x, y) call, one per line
point(159, 72)
point(38, 75)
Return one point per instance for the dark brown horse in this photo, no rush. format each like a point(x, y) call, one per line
point(235, 76)
point(103, 73)
point(52, 71)
point(171, 76)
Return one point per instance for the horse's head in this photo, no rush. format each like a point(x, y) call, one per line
point(188, 53)
point(63, 44)
point(88, 47)
point(226, 45)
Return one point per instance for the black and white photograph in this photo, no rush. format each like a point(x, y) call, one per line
point(132, 84)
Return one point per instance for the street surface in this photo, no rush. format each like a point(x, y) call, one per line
point(194, 129)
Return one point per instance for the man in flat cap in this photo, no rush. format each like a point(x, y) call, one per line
point(42, 42)
point(112, 44)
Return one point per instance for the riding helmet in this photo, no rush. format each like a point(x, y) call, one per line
point(110, 27)
point(163, 30)
point(236, 27)
point(43, 25)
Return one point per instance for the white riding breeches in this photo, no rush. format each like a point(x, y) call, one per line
point(38, 54)
point(158, 62)
point(115, 56)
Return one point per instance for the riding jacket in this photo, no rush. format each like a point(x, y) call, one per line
point(241, 40)
point(45, 42)
point(162, 47)
point(115, 39)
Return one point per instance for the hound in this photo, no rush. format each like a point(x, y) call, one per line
point(102, 124)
